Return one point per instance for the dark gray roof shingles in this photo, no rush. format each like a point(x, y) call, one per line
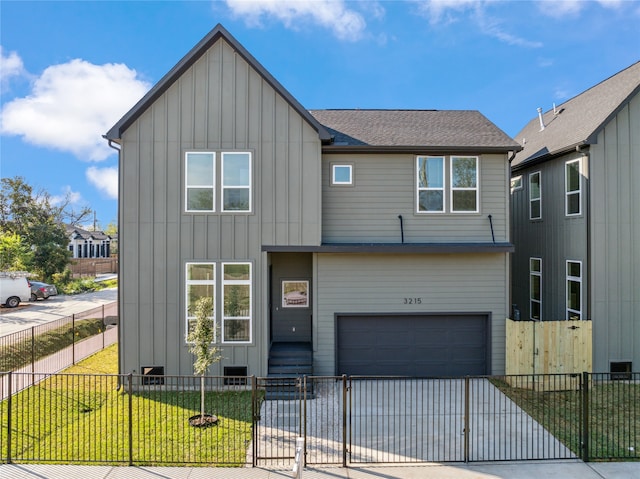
point(579, 119)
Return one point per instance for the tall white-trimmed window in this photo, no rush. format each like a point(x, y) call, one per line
point(236, 181)
point(236, 291)
point(464, 184)
point(200, 180)
point(200, 283)
point(572, 188)
point(535, 288)
point(430, 188)
point(535, 196)
point(574, 290)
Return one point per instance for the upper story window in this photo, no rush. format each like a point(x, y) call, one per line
point(574, 290)
point(572, 188)
point(201, 185)
point(462, 184)
point(200, 179)
point(341, 174)
point(236, 181)
point(535, 196)
point(516, 183)
point(535, 288)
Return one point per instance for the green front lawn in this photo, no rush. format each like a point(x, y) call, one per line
point(82, 416)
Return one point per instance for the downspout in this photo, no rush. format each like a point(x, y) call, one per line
point(401, 229)
point(587, 216)
point(120, 330)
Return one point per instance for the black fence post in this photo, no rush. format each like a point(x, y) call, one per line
point(254, 419)
point(466, 419)
point(73, 339)
point(344, 420)
point(585, 416)
point(33, 351)
point(130, 393)
point(9, 425)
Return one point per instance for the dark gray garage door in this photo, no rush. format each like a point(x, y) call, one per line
point(410, 345)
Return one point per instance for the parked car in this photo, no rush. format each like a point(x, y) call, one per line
point(13, 289)
point(42, 290)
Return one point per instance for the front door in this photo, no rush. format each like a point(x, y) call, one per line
point(291, 309)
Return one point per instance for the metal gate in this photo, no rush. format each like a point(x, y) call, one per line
point(364, 420)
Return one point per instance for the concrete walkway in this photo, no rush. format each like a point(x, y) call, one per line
point(569, 469)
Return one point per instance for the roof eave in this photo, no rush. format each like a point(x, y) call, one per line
point(536, 160)
point(394, 248)
point(419, 149)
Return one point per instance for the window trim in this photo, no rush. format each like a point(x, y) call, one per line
point(577, 192)
point(335, 182)
point(538, 199)
point(576, 279)
point(537, 274)
point(188, 282)
point(243, 282)
point(425, 188)
point(223, 187)
point(186, 181)
point(453, 189)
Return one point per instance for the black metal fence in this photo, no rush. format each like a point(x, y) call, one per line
point(144, 420)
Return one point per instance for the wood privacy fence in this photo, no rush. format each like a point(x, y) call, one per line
point(548, 347)
point(93, 266)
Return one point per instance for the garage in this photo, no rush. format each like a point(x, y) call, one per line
point(427, 345)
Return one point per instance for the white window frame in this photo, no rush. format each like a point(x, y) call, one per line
point(212, 282)
point(425, 188)
point(242, 282)
point(516, 183)
point(334, 181)
point(573, 279)
point(532, 199)
point(538, 274)
point(577, 192)
point(453, 189)
point(211, 184)
point(224, 187)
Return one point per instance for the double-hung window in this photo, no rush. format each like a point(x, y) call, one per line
point(204, 178)
point(236, 318)
point(430, 184)
point(535, 196)
point(200, 179)
point(535, 288)
point(574, 290)
point(201, 283)
point(236, 181)
point(464, 184)
point(573, 190)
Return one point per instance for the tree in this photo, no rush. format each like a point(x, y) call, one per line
point(112, 230)
point(201, 345)
point(38, 223)
point(14, 254)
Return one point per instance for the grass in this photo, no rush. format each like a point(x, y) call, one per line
point(613, 419)
point(19, 354)
point(82, 416)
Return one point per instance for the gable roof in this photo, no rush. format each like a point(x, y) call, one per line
point(413, 130)
point(79, 233)
point(579, 120)
point(115, 133)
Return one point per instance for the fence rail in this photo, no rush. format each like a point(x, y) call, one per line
point(144, 420)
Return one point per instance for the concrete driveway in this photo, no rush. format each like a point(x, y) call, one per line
point(404, 420)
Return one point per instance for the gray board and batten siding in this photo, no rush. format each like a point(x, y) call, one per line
point(220, 102)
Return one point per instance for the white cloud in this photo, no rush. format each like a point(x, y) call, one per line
point(572, 8)
point(104, 179)
point(10, 66)
point(444, 11)
point(72, 105)
point(345, 23)
point(68, 195)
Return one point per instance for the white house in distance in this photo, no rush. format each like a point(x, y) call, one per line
point(88, 244)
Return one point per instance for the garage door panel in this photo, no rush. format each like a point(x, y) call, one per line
point(412, 345)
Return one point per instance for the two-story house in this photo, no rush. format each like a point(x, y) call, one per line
point(88, 244)
point(376, 240)
point(576, 218)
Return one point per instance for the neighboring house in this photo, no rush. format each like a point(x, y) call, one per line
point(576, 218)
point(375, 241)
point(88, 244)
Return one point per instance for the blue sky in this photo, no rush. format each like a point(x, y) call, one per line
point(71, 69)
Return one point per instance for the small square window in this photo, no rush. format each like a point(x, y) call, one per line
point(516, 183)
point(342, 174)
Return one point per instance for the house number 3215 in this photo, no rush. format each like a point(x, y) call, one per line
point(412, 300)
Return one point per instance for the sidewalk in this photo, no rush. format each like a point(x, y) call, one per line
point(570, 469)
